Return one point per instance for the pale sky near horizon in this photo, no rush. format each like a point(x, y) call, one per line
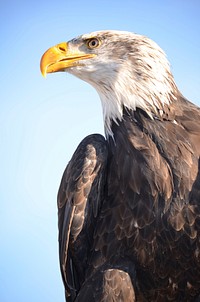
point(43, 120)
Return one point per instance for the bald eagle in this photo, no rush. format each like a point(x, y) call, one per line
point(129, 203)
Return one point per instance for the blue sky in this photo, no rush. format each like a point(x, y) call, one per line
point(43, 120)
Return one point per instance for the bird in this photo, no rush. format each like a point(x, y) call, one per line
point(129, 200)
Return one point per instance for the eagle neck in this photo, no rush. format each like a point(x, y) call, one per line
point(117, 104)
point(123, 128)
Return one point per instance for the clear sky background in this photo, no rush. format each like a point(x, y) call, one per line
point(43, 120)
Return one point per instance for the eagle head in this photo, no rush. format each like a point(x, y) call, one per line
point(127, 70)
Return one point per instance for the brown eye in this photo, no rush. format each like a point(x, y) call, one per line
point(93, 43)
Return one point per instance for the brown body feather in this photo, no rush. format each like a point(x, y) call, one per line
point(145, 232)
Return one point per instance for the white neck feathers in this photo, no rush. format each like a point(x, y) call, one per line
point(150, 90)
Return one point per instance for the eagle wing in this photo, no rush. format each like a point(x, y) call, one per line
point(79, 199)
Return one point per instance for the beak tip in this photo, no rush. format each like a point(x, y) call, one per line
point(44, 65)
point(43, 70)
point(44, 75)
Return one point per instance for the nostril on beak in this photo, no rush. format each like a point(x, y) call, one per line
point(62, 48)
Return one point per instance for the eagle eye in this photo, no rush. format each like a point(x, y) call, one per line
point(93, 43)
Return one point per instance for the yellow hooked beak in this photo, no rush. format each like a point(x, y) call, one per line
point(60, 57)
